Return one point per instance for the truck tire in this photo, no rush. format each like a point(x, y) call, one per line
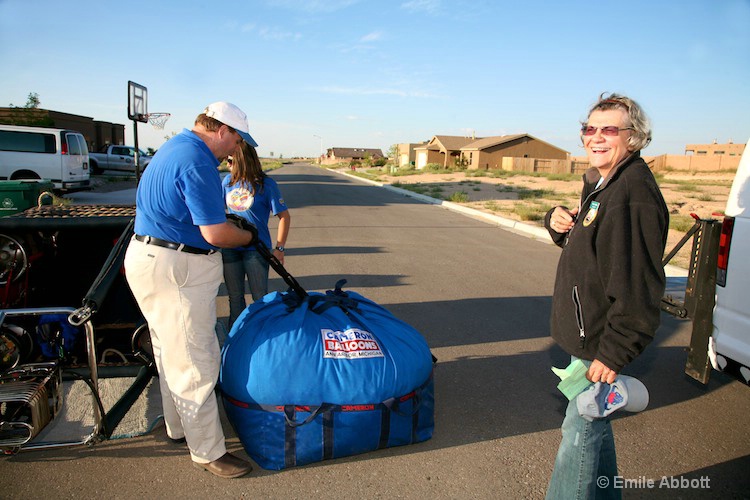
point(24, 175)
point(95, 167)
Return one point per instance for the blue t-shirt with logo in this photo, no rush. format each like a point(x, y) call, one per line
point(179, 191)
point(256, 207)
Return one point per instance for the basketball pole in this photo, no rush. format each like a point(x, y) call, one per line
point(137, 111)
point(137, 153)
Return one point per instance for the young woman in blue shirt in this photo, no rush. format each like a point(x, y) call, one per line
point(253, 195)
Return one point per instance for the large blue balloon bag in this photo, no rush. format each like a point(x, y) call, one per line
point(322, 376)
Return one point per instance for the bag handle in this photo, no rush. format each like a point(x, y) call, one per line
point(290, 410)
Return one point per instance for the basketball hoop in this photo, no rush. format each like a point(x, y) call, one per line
point(157, 120)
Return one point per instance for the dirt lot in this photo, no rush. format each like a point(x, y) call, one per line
point(527, 198)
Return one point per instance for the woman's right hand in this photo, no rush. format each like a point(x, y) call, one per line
point(562, 219)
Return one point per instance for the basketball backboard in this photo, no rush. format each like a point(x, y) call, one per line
point(137, 102)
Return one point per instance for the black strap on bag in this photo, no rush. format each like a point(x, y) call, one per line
point(337, 297)
point(279, 268)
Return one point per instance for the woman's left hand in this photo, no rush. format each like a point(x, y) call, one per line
point(599, 372)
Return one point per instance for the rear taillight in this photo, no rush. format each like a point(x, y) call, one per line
point(64, 147)
point(725, 241)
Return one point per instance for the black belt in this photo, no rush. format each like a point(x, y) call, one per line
point(180, 247)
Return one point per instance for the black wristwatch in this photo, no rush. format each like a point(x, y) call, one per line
point(280, 248)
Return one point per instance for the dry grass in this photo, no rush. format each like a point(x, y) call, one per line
point(527, 198)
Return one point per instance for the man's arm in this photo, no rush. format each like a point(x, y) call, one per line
point(226, 235)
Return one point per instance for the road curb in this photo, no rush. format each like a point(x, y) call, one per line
point(533, 232)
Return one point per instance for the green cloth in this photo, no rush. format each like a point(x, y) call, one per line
point(573, 379)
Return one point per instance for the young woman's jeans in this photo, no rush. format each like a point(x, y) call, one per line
point(237, 265)
point(586, 464)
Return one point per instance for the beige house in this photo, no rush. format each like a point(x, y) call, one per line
point(345, 155)
point(407, 154)
point(444, 150)
point(729, 149)
point(488, 153)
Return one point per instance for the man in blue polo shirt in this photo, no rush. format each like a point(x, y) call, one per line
point(174, 270)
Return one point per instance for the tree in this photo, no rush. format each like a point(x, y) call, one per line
point(29, 114)
point(393, 151)
point(33, 101)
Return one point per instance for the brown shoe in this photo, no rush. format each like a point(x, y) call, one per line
point(227, 467)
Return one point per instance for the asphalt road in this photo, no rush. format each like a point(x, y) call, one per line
point(481, 297)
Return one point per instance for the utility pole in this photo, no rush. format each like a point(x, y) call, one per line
point(320, 157)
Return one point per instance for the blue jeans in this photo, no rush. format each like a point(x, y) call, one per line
point(237, 265)
point(586, 463)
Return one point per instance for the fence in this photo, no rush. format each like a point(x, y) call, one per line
point(545, 166)
point(695, 163)
point(715, 163)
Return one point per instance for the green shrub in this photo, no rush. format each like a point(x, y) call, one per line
point(564, 177)
point(459, 197)
point(686, 187)
point(681, 223)
point(525, 194)
point(528, 212)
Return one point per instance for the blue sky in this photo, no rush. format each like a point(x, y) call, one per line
point(372, 73)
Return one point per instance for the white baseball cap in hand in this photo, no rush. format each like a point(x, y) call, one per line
point(229, 114)
point(600, 400)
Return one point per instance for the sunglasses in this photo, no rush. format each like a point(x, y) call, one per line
point(610, 130)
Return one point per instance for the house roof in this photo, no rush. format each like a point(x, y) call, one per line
point(445, 143)
point(489, 142)
point(451, 142)
point(356, 152)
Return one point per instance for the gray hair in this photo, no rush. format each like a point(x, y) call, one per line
point(641, 136)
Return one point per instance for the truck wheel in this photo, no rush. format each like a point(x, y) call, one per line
point(95, 168)
point(24, 175)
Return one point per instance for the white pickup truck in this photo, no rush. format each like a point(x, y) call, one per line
point(117, 157)
point(729, 345)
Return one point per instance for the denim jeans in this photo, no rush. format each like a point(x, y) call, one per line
point(586, 463)
point(237, 265)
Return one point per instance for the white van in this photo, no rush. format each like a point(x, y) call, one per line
point(729, 346)
point(58, 155)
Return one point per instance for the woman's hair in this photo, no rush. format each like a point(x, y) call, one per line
point(246, 167)
point(641, 136)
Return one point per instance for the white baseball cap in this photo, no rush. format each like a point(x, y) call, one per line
point(229, 114)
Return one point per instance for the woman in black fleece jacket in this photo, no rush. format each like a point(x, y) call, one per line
point(610, 280)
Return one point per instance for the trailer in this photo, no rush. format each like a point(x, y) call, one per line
point(63, 301)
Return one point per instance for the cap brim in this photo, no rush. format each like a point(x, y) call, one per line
point(637, 394)
point(247, 138)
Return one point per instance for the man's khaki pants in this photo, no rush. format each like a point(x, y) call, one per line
point(176, 292)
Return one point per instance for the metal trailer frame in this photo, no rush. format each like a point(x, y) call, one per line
point(143, 371)
point(700, 293)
